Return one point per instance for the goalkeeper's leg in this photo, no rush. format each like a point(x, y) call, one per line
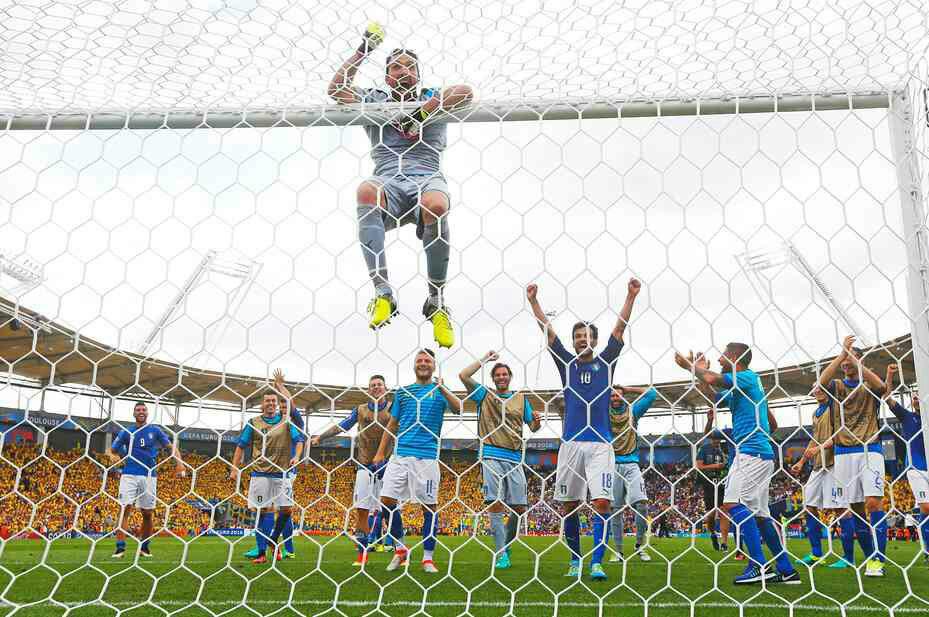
point(372, 202)
point(434, 207)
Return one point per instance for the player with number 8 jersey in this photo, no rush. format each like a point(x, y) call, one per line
point(276, 446)
point(585, 457)
point(372, 419)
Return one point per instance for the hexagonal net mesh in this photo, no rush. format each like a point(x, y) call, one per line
point(221, 396)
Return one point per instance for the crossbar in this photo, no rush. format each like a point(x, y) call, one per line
point(488, 111)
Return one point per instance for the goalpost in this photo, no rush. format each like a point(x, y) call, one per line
point(665, 141)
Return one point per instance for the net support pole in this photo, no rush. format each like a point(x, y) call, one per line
point(902, 122)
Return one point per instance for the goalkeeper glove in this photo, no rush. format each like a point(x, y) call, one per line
point(409, 125)
point(373, 36)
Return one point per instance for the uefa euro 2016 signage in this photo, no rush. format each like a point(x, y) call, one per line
point(230, 532)
point(207, 435)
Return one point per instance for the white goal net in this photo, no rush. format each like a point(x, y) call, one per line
point(195, 198)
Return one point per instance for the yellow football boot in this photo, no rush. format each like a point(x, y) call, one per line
point(442, 330)
point(380, 310)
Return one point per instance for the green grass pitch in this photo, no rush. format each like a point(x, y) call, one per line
point(208, 576)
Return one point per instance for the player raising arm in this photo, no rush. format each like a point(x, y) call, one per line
point(859, 458)
point(288, 408)
point(746, 495)
point(407, 185)
point(276, 447)
point(585, 457)
point(371, 418)
point(501, 414)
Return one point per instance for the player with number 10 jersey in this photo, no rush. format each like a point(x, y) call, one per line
point(585, 457)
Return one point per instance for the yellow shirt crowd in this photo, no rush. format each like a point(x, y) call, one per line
point(59, 491)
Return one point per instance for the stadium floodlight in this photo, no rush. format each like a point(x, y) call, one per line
point(241, 270)
point(755, 263)
point(27, 273)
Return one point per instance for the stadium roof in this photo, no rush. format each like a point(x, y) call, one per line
point(39, 349)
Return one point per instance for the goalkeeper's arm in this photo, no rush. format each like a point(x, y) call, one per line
point(340, 88)
point(448, 99)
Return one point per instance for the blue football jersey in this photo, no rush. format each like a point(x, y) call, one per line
point(587, 388)
point(141, 444)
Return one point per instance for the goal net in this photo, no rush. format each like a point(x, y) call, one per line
point(216, 395)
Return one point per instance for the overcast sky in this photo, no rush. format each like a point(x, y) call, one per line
point(577, 209)
point(120, 219)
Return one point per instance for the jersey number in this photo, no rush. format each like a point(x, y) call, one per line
point(586, 377)
point(430, 487)
point(608, 480)
point(142, 442)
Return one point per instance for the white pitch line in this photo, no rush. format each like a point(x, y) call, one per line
point(244, 562)
point(481, 604)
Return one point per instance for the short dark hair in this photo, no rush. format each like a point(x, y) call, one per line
point(400, 51)
point(501, 365)
point(376, 376)
point(270, 392)
point(586, 324)
point(426, 351)
point(137, 403)
point(742, 352)
point(859, 352)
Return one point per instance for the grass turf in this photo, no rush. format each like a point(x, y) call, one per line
point(208, 576)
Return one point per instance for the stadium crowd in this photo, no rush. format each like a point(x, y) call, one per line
point(56, 491)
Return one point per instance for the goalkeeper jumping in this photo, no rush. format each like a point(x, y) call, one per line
point(407, 185)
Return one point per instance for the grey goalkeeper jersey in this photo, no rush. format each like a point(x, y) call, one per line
point(394, 154)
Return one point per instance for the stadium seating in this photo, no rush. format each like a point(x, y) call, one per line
point(61, 490)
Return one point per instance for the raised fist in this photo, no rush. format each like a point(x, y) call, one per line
point(373, 36)
point(532, 292)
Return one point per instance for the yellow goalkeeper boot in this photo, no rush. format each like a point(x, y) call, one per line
point(442, 330)
point(381, 310)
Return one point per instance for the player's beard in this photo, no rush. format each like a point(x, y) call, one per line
point(405, 90)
